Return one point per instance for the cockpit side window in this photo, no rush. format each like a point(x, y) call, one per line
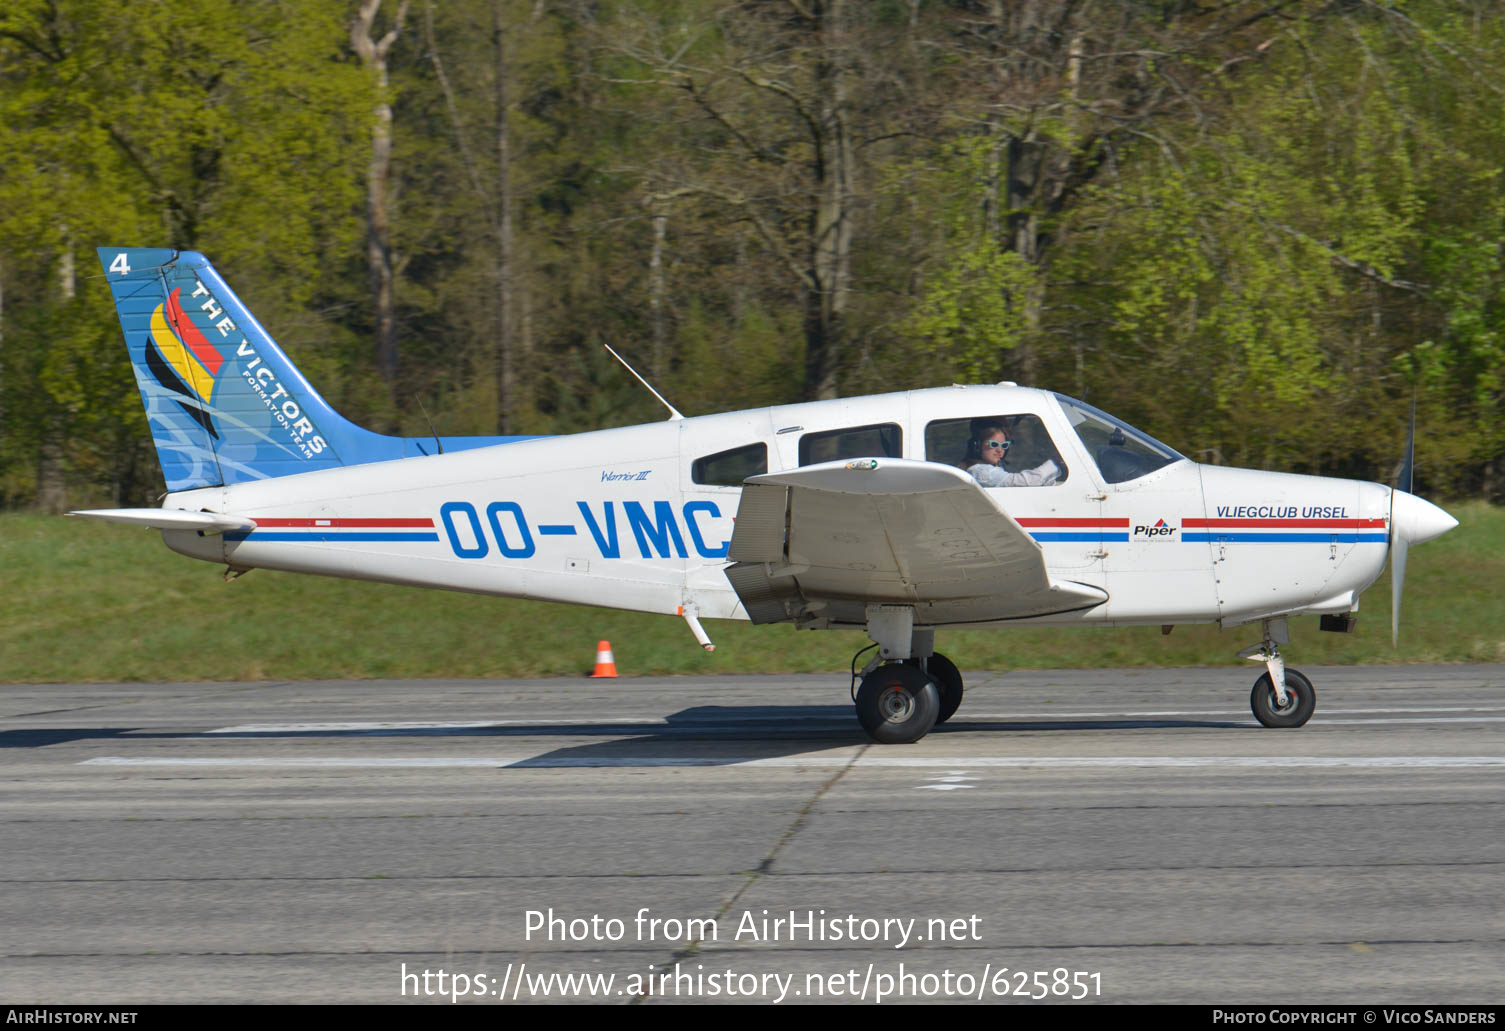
point(885, 440)
point(1121, 452)
point(730, 468)
point(956, 442)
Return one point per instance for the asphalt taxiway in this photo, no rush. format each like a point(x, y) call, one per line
point(1131, 832)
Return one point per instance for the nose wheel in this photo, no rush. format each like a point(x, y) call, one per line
point(1282, 697)
point(1300, 703)
point(897, 704)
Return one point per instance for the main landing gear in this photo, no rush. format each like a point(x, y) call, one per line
point(897, 703)
point(1281, 697)
point(948, 681)
point(907, 687)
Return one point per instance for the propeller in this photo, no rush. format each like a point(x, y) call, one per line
point(1412, 521)
point(1399, 544)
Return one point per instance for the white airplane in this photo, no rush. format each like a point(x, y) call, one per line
point(857, 513)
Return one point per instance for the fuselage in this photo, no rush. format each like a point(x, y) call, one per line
point(640, 517)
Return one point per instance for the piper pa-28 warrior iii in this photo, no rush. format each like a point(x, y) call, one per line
point(900, 514)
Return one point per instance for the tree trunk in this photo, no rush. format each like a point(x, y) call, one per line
point(52, 487)
point(1038, 166)
point(831, 242)
point(506, 359)
point(656, 293)
point(1026, 158)
point(3, 421)
point(373, 54)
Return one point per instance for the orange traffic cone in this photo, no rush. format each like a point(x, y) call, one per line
point(606, 665)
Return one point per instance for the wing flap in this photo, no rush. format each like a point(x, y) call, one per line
point(758, 533)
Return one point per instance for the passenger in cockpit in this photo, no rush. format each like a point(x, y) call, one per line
point(985, 451)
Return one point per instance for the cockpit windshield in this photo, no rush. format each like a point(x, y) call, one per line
point(1121, 452)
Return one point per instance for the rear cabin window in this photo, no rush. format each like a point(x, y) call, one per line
point(954, 442)
point(730, 468)
point(882, 441)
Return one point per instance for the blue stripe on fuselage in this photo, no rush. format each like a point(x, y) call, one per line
point(327, 535)
point(1284, 538)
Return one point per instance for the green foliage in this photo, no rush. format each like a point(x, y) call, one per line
point(199, 126)
point(971, 311)
point(1304, 261)
point(1261, 270)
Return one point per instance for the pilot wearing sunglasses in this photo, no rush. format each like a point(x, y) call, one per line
point(985, 454)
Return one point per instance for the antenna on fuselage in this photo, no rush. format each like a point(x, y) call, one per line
point(674, 413)
point(434, 433)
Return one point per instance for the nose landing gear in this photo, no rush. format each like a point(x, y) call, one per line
point(1281, 697)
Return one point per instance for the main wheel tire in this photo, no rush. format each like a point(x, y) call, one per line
point(897, 704)
point(948, 681)
point(1301, 701)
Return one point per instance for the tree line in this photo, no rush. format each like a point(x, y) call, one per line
point(1256, 229)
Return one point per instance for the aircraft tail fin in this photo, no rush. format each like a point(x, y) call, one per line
point(224, 402)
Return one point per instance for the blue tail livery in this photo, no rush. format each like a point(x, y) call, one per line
point(224, 403)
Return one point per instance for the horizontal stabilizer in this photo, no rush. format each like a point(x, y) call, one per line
point(170, 519)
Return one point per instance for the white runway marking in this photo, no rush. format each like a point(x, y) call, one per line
point(730, 717)
point(1420, 719)
point(1244, 711)
point(952, 780)
point(791, 762)
point(304, 728)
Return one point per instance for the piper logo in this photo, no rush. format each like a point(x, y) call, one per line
point(1160, 531)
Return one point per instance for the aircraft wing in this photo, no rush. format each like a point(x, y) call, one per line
point(824, 541)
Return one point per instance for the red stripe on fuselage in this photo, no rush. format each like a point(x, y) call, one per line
point(1288, 524)
point(1072, 522)
point(314, 522)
